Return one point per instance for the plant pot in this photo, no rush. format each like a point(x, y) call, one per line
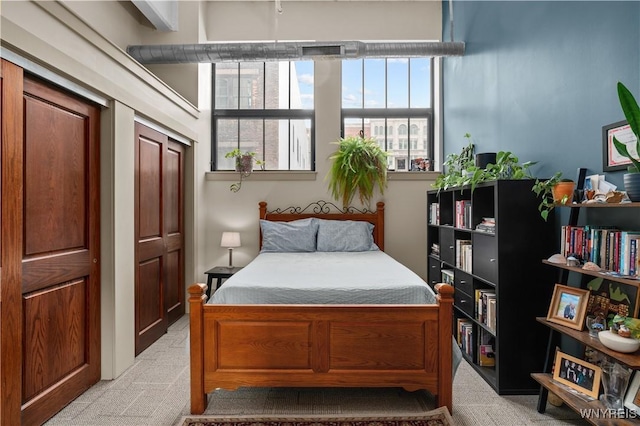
point(632, 186)
point(562, 190)
point(244, 164)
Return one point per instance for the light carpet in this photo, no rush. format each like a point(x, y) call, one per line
point(438, 417)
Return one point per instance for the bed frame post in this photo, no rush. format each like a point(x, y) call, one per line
point(196, 332)
point(445, 330)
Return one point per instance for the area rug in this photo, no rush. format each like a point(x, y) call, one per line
point(438, 417)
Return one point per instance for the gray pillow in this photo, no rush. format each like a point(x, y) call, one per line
point(345, 235)
point(286, 237)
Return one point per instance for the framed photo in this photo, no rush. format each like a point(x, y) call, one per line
point(611, 160)
point(401, 164)
point(578, 374)
point(632, 397)
point(568, 306)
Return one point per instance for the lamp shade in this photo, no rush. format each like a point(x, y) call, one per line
point(230, 239)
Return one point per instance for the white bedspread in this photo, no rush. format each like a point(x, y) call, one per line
point(371, 277)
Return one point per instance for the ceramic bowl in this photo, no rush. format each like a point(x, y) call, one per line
point(618, 343)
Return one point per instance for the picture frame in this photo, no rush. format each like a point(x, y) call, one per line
point(401, 164)
point(579, 375)
point(632, 396)
point(568, 306)
point(611, 160)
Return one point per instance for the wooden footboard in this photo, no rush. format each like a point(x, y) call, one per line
point(405, 346)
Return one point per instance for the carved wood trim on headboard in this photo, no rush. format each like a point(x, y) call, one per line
point(327, 210)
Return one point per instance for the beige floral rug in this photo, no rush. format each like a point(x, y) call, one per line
point(438, 417)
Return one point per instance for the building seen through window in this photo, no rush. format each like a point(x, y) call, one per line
point(265, 108)
point(391, 101)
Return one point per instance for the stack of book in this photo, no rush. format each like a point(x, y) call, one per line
point(464, 255)
point(486, 307)
point(463, 214)
point(435, 249)
point(434, 214)
point(487, 225)
point(465, 336)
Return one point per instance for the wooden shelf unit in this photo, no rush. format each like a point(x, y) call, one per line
point(556, 331)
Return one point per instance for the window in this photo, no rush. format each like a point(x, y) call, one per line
point(266, 108)
point(379, 95)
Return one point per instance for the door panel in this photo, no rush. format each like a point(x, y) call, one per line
point(159, 235)
point(173, 219)
point(61, 357)
point(52, 330)
point(11, 237)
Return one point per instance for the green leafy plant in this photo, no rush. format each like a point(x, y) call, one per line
point(543, 188)
point(359, 165)
point(455, 167)
point(461, 170)
point(632, 115)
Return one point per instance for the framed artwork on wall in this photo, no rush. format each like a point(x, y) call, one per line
point(611, 160)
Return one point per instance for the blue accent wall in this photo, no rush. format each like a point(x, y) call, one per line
point(539, 79)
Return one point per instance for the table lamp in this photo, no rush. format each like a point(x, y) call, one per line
point(230, 240)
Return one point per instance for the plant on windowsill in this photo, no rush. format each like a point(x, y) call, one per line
point(358, 166)
point(244, 162)
point(552, 192)
point(632, 114)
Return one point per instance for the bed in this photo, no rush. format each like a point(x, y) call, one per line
point(260, 333)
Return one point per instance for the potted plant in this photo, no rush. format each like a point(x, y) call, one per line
point(553, 191)
point(461, 169)
point(244, 165)
point(359, 165)
point(458, 168)
point(632, 115)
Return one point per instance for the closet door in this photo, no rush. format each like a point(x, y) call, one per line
point(159, 289)
point(60, 253)
point(11, 149)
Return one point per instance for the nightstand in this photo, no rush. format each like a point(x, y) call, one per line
point(219, 272)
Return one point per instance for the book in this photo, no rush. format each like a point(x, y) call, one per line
point(486, 355)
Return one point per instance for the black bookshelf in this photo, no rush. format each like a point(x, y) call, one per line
point(505, 262)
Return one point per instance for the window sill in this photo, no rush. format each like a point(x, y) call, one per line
point(294, 175)
point(392, 175)
point(263, 175)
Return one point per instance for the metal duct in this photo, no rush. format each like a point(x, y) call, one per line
point(287, 51)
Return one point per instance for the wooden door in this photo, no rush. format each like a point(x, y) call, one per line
point(159, 289)
point(60, 251)
point(11, 149)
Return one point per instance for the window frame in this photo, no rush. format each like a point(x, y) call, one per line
point(260, 114)
point(362, 113)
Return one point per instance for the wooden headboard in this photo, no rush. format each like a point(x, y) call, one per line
point(327, 210)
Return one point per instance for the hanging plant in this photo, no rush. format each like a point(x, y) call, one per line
point(359, 165)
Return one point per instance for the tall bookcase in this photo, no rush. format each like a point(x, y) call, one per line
point(505, 262)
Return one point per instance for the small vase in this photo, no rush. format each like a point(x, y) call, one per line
point(615, 379)
point(632, 186)
point(244, 164)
